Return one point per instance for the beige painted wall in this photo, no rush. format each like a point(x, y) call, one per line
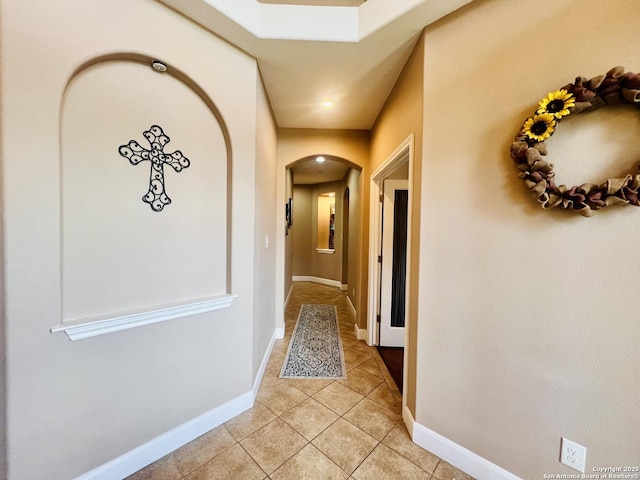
point(401, 117)
point(528, 328)
point(351, 145)
point(75, 406)
point(325, 204)
point(353, 181)
point(288, 258)
point(265, 233)
point(306, 260)
point(106, 227)
point(302, 231)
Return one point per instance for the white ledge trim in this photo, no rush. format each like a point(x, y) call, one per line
point(325, 250)
point(80, 329)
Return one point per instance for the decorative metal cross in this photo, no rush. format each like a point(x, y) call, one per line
point(156, 197)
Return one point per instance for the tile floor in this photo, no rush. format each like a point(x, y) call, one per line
point(312, 429)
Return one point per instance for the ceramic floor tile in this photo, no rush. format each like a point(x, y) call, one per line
point(309, 464)
point(383, 396)
point(273, 444)
point(270, 380)
point(361, 381)
point(233, 464)
point(202, 449)
point(281, 346)
point(276, 358)
point(361, 347)
point(272, 371)
point(349, 366)
point(309, 418)
point(444, 471)
point(337, 397)
point(249, 421)
point(354, 357)
point(348, 340)
point(372, 418)
point(310, 386)
point(345, 444)
point(395, 392)
point(309, 410)
point(398, 440)
point(371, 367)
point(281, 398)
point(384, 463)
point(164, 469)
point(388, 378)
point(273, 368)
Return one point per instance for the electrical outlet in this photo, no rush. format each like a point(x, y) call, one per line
point(573, 455)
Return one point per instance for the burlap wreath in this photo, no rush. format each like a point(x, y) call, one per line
point(529, 148)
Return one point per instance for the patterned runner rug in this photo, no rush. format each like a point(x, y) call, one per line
point(315, 350)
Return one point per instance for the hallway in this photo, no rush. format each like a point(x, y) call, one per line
point(312, 429)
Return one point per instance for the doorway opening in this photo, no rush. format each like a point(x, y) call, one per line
point(390, 258)
point(322, 243)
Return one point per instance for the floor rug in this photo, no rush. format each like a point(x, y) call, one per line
point(315, 350)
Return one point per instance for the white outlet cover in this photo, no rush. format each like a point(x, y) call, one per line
point(573, 455)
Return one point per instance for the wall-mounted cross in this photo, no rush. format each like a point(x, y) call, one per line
point(156, 197)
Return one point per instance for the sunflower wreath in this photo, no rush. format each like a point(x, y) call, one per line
point(529, 148)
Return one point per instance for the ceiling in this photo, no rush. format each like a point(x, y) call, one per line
point(308, 171)
point(347, 51)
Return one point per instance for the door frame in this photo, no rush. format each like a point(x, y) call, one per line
point(403, 153)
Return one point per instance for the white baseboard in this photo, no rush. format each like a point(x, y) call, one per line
point(286, 300)
point(265, 359)
point(324, 281)
point(353, 309)
point(344, 287)
point(166, 443)
point(279, 333)
point(407, 419)
point(361, 333)
point(458, 456)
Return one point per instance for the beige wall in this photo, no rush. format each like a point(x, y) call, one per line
point(324, 206)
point(306, 260)
point(266, 227)
point(288, 258)
point(353, 181)
point(106, 227)
point(301, 231)
point(401, 117)
point(351, 145)
point(75, 406)
point(528, 328)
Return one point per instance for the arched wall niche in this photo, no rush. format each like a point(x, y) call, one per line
point(123, 260)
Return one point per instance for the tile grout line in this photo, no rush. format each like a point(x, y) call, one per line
point(386, 400)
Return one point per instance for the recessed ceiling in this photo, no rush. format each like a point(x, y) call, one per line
point(308, 53)
point(307, 172)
